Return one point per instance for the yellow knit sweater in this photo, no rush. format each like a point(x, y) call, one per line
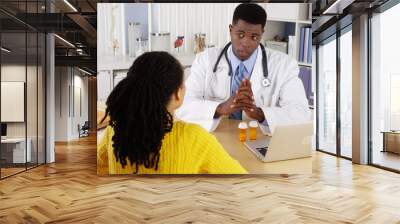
point(187, 149)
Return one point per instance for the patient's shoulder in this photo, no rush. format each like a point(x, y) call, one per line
point(192, 131)
point(190, 127)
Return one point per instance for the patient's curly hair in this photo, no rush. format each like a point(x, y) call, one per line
point(137, 108)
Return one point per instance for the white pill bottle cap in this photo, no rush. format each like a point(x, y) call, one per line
point(242, 125)
point(253, 124)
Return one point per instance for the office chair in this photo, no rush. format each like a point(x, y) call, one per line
point(84, 130)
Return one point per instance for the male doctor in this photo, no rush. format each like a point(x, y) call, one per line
point(245, 80)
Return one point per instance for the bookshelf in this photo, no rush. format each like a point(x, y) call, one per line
point(287, 20)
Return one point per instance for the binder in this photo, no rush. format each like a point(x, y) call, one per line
point(301, 45)
point(305, 44)
point(309, 57)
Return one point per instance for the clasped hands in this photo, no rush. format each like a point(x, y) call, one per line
point(242, 100)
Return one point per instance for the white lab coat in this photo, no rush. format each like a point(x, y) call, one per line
point(283, 102)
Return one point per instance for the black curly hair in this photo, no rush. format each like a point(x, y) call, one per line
point(137, 108)
point(251, 13)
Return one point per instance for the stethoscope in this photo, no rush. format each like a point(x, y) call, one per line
point(264, 82)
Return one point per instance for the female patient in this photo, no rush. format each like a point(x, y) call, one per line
point(142, 136)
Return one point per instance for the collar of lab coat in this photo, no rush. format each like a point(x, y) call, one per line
point(248, 63)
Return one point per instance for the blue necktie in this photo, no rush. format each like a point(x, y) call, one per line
point(237, 79)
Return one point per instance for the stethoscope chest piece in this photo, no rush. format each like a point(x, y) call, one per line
point(265, 82)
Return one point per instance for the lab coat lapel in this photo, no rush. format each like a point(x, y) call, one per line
point(257, 73)
point(222, 81)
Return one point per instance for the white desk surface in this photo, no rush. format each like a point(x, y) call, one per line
point(13, 140)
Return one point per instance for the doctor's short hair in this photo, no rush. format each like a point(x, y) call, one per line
point(251, 13)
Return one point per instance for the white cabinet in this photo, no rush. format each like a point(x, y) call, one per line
point(275, 12)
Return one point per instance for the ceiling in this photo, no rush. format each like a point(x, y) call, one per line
point(331, 15)
point(75, 23)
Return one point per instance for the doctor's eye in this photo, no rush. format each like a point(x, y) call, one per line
point(255, 38)
point(241, 35)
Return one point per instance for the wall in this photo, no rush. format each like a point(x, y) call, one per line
point(17, 72)
point(136, 12)
point(92, 99)
point(187, 19)
point(33, 126)
point(80, 109)
point(62, 81)
point(71, 102)
point(111, 17)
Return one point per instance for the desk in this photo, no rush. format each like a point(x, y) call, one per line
point(391, 141)
point(15, 148)
point(227, 134)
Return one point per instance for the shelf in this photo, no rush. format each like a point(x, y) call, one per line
point(305, 64)
point(281, 20)
point(305, 21)
point(289, 21)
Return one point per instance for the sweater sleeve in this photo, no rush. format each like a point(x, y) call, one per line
point(102, 153)
point(214, 158)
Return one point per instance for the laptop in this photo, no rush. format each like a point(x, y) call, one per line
point(288, 142)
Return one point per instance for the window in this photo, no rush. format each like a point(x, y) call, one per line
point(22, 75)
point(394, 101)
point(334, 106)
point(385, 89)
point(327, 96)
point(346, 93)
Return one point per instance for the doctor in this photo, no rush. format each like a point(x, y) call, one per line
point(244, 80)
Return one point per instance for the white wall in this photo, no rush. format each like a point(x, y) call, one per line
point(11, 73)
point(136, 12)
point(33, 126)
point(110, 17)
point(186, 19)
point(79, 117)
point(213, 19)
point(67, 114)
point(62, 81)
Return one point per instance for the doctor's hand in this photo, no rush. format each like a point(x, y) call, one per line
point(244, 100)
point(226, 107)
point(236, 102)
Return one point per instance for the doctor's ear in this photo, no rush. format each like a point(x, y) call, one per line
point(230, 28)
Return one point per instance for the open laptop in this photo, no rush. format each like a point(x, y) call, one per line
point(287, 142)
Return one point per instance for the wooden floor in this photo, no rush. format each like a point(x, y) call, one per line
point(387, 159)
point(69, 191)
point(5, 172)
point(10, 171)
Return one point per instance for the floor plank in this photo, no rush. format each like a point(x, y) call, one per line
point(69, 191)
